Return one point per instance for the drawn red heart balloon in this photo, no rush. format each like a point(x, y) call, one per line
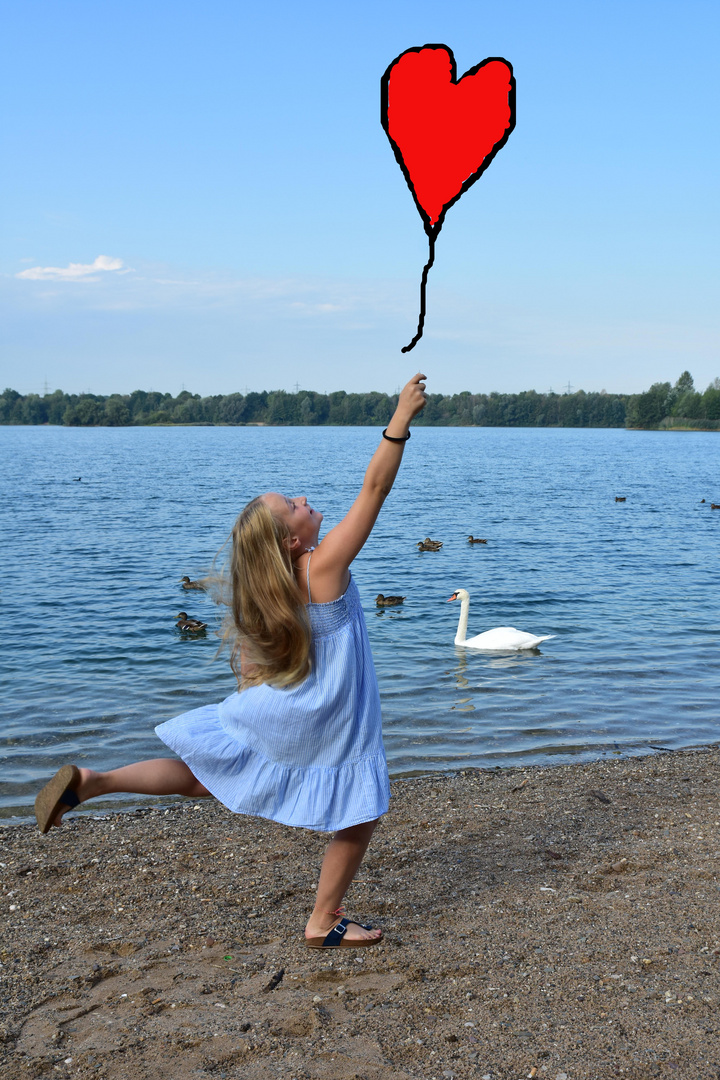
point(445, 131)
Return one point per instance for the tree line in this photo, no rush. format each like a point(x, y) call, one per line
point(664, 405)
point(661, 405)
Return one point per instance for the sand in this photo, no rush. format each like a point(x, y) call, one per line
point(556, 922)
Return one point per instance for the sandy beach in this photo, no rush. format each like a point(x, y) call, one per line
point(553, 922)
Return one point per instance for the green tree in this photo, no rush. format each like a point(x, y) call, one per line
point(256, 405)
point(8, 405)
point(648, 409)
point(231, 409)
point(187, 408)
point(378, 409)
point(690, 405)
point(711, 401)
point(306, 415)
point(34, 410)
point(282, 407)
point(138, 406)
point(55, 405)
point(117, 413)
point(88, 411)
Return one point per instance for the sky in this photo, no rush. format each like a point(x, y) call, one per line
point(202, 197)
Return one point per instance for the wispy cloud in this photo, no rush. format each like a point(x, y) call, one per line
point(155, 286)
point(311, 309)
point(74, 271)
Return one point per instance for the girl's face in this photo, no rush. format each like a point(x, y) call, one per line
point(303, 522)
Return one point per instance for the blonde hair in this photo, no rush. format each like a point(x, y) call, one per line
point(267, 627)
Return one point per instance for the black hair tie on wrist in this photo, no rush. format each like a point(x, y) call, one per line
point(391, 438)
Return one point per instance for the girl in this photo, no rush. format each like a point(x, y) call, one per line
point(301, 740)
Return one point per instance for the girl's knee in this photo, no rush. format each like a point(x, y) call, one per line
point(199, 791)
point(361, 831)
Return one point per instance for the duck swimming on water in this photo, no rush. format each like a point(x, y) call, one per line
point(190, 626)
point(188, 584)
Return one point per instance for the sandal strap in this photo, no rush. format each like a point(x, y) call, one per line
point(336, 934)
point(69, 797)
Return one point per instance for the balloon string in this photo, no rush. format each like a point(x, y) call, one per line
point(423, 287)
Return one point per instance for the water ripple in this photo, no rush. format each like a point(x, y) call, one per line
point(91, 660)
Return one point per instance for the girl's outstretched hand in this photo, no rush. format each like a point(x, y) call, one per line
point(340, 546)
point(412, 398)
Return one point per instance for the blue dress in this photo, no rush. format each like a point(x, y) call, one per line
point(310, 755)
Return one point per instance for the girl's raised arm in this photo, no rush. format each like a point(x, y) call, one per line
point(340, 546)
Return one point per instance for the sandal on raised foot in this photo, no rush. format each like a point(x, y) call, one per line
point(336, 938)
point(60, 791)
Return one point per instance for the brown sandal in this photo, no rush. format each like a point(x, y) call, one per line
point(60, 791)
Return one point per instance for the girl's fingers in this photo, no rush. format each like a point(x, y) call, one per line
point(417, 382)
point(414, 390)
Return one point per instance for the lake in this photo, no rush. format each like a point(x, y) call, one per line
point(91, 660)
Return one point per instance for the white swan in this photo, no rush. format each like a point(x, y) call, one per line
point(501, 639)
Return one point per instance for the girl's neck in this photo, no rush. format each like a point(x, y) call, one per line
point(301, 554)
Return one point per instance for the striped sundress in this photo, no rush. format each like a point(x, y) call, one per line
point(311, 755)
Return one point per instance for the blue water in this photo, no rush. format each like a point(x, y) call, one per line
point(91, 660)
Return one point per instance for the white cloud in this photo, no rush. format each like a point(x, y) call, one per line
point(310, 309)
point(75, 271)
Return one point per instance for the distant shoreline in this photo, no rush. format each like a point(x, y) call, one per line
point(661, 408)
point(682, 427)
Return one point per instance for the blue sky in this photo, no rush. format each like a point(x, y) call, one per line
point(218, 176)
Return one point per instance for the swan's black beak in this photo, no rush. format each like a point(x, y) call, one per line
point(453, 597)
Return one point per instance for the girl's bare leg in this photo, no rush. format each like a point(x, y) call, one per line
point(342, 859)
point(159, 776)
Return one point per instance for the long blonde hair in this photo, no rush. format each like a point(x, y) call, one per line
point(268, 626)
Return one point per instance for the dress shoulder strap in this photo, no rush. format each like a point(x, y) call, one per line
point(308, 574)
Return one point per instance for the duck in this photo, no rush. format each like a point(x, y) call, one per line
point(422, 545)
point(475, 540)
point(621, 498)
point(188, 584)
point(190, 626)
point(501, 639)
point(715, 506)
point(388, 601)
point(433, 543)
